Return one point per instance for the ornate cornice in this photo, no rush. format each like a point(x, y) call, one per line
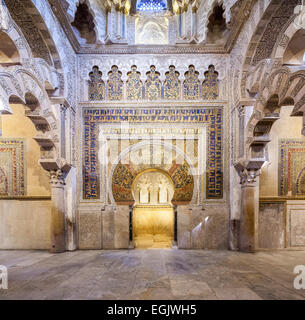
point(134, 49)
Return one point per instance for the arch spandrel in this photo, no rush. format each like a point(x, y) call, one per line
point(123, 176)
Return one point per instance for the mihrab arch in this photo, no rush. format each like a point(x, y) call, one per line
point(185, 191)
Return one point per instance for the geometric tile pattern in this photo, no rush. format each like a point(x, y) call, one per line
point(291, 166)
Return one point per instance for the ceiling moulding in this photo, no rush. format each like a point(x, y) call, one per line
point(240, 13)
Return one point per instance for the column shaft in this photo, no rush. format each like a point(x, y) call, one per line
point(250, 206)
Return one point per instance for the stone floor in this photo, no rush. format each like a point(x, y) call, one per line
point(151, 274)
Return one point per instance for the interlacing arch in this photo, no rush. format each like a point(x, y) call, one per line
point(43, 48)
point(33, 79)
point(23, 87)
point(269, 78)
point(289, 87)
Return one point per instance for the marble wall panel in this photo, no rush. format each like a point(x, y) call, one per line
point(297, 218)
point(295, 223)
point(203, 229)
point(108, 228)
point(90, 229)
point(216, 232)
point(197, 227)
point(183, 227)
point(271, 225)
point(121, 227)
point(25, 224)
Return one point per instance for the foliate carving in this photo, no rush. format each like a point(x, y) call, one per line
point(115, 84)
point(134, 86)
point(210, 90)
point(29, 29)
point(56, 178)
point(247, 177)
point(96, 89)
point(172, 84)
point(284, 41)
point(153, 85)
point(273, 28)
point(191, 84)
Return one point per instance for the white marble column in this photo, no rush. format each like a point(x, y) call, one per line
point(57, 182)
point(235, 203)
point(70, 210)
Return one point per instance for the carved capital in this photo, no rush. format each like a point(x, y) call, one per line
point(248, 171)
point(57, 178)
point(248, 177)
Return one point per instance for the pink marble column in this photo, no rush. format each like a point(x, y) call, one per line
point(249, 210)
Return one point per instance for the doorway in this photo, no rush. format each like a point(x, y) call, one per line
point(153, 227)
point(153, 213)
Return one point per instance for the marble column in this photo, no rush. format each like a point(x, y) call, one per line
point(57, 182)
point(235, 203)
point(249, 210)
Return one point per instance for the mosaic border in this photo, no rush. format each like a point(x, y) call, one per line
point(212, 116)
point(20, 165)
point(285, 145)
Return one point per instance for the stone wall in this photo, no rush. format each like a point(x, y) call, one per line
point(286, 127)
point(17, 125)
point(102, 227)
point(25, 224)
point(281, 223)
point(108, 227)
point(295, 222)
point(271, 225)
